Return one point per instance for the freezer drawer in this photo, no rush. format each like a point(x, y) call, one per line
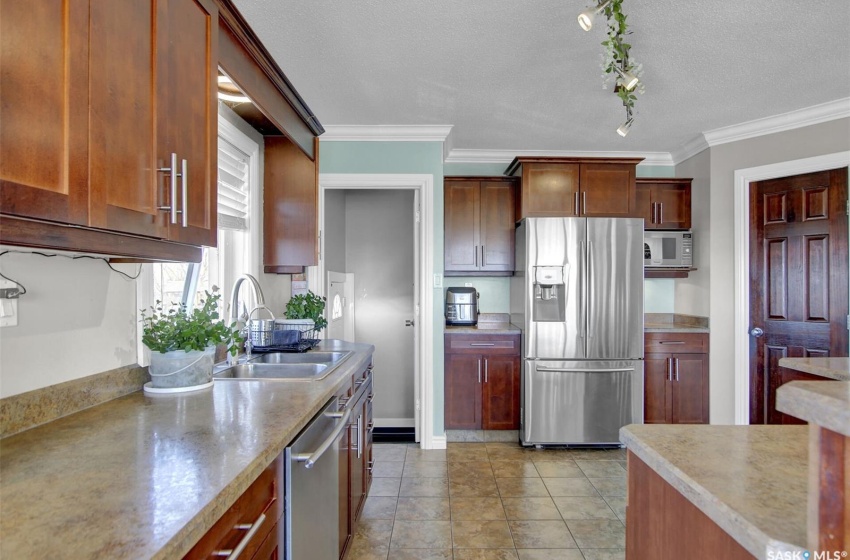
point(580, 402)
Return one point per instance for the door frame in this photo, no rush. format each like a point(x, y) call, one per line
point(423, 184)
point(743, 178)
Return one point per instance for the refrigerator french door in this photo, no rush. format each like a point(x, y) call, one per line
point(579, 290)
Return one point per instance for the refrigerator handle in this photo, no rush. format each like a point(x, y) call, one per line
point(590, 282)
point(584, 370)
point(583, 296)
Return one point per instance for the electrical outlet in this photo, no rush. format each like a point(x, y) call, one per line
point(9, 303)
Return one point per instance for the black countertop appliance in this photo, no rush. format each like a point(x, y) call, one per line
point(461, 306)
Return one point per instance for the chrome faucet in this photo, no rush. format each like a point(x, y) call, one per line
point(235, 317)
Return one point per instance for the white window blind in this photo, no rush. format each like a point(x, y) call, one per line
point(233, 192)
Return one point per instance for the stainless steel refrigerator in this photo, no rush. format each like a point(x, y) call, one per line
point(577, 293)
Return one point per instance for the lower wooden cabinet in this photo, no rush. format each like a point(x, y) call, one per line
point(676, 378)
point(253, 524)
point(482, 382)
point(355, 476)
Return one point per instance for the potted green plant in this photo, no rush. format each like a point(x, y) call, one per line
point(183, 344)
point(305, 312)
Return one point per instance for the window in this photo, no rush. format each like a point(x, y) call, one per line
point(238, 232)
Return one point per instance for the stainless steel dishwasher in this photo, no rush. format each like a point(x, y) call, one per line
point(312, 487)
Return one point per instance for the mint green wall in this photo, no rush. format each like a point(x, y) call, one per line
point(655, 171)
point(491, 169)
point(659, 295)
point(494, 293)
point(402, 157)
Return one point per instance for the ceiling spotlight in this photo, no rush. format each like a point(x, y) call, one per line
point(585, 19)
point(625, 127)
point(629, 80)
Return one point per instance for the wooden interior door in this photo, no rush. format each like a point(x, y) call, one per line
point(500, 399)
point(497, 227)
point(461, 217)
point(798, 274)
point(44, 66)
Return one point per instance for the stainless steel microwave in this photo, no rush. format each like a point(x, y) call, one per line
point(668, 249)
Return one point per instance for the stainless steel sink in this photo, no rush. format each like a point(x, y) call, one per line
point(300, 358)
point(308, 366)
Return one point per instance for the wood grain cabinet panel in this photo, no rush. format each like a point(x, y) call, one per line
point(479, 226)
point(676, 378)
point(664, 203)
point(566, 187)
point(482, 382)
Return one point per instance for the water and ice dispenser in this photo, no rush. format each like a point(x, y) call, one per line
point(549, 294)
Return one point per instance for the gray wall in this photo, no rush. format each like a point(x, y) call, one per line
point(379, 251)
point(334, 232)
point(810, 141)
point(692, 295)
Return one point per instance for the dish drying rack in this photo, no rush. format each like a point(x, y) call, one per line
point(281, 335)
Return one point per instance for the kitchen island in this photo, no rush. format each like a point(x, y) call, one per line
point(146, 476)
point(738, 491)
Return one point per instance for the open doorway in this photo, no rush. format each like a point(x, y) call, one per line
point(369, 264)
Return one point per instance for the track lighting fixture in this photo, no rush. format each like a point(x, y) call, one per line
point(628, 80)
point(626, 126)
point(585, 19)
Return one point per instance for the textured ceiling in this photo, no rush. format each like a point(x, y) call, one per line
point(522, 75)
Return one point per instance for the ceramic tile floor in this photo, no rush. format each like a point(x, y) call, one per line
point(493, 501)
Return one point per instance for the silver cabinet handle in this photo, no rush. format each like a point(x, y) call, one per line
point(252, 529)
point(184, 179)
point(360, 436)
point(652, 219)
point(576, 204)
point(172, 171)
point(671, 342)
point(309, 459)
point(482, 343)
point(486, 367)
point(476, 255)
point(359, 382)
point(584, 202)
point(483, 258)
point(660, 212)
point(479, 370)
point(677, 369)
point(580, 370)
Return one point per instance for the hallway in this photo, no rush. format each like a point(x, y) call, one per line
point(495, 501)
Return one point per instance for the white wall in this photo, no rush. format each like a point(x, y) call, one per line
point(379, 251)
point(77, 318)
point(815, 140)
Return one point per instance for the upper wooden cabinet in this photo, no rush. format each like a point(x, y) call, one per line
point(565, 187)
point(664, 203)
point(479, 225)
point(92, 144)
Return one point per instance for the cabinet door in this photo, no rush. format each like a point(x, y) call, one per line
point(643, 205)
point(43, 109)
point(270, 548)
point(690, 388)
point(290, 207)
point(126, 188)
point(657, 407)
point(187, 125)
point(500, 402)
point(461, 218)
point(607, 190)
point(463, 391)
point(550, 190)
point(497, 226)
point(673, 205)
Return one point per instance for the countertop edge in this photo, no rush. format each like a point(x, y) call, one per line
point(810, 365)
point(677, 329)
point(817, 402)
point(189, 535)
point(755, 541)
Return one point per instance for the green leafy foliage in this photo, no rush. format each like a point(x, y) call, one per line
point(307, 306)
point(177, 329)
point(617, 52)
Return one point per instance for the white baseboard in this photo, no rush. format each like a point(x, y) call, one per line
point(438, 442)
point(395, 423)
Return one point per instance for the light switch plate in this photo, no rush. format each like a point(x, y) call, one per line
point(438, 280)
point(8, 307)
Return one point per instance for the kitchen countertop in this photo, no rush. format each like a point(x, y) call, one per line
point(750, 480)
point(674, 322)
point(146, 476)
point(825, 403)
point(833, 368)
point(488, 323)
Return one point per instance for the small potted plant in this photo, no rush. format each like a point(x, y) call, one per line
point(183, 344)
point(305, 312)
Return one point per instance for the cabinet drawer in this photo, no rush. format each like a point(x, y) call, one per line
point(261, 503)
point(482, 344)
point(675, 342)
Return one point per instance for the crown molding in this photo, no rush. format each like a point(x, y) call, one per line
point(690, 149)
point(385, 133)
point(838, 109)
point(507, 156)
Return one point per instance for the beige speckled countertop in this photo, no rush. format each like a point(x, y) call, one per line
point(674, 322)
point(488, 323)
point(750, 480)
point(833, 368)
point(146, 476)
point(825, 403)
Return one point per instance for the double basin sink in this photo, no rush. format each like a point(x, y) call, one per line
point(307, 366)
